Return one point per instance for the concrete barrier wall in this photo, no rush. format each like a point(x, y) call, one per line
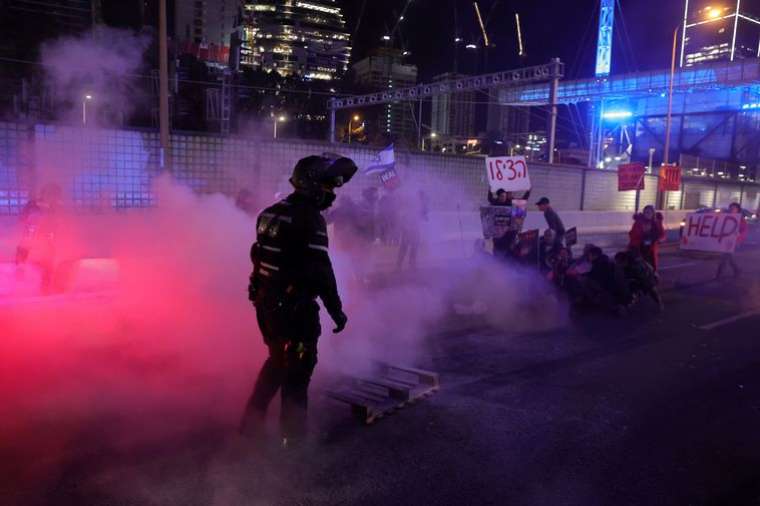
point(587, 222)
point(116, 167)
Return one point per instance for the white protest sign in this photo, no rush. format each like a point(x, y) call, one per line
point(509, 173)
point(716, 232)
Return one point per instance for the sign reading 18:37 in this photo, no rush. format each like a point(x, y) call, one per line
point(509, 173)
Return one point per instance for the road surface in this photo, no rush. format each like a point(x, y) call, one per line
point(642, 410)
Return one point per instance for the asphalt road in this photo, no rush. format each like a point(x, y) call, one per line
point(646, 410)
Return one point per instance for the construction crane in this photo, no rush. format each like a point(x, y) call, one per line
point(520, 46)
point(486, 41)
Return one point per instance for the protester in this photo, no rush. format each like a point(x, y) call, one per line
point(728, 258)
point(367, 215)
point(388, 218)
point(646, 234)
point(603, 286)
point(552, 220)
point(559, 265)
point(547, 250)
point(344, 221)
point(640, 276)
point(39, 220)
point(245, 202)
point(411, 230)
point(504, 198)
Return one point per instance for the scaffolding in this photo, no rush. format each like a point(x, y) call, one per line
point(551, 73)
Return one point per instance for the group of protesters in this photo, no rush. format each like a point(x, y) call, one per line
point(393, 219)
point(596, 281)
point(593, 280)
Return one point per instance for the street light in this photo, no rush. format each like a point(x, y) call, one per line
point(278, 119)
point(713, 12)
point(86, 99)
point(433, 135)
point(354, 119)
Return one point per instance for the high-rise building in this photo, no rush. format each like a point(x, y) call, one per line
point(204, 28)
point(720, 30)
point(453, 114)
point(386, 70)
point(303, 38)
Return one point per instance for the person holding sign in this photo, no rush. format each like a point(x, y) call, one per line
point(507, 174)
point(504, 198)
point(728, 258)
point(646, 234)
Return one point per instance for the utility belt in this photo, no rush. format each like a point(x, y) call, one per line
point(288, 320)
point(273, 296)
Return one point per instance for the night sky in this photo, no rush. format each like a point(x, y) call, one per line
point(551, 28)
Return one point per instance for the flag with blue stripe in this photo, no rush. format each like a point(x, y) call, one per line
point(385, 159)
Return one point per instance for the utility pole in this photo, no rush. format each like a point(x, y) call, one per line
point(668, 123)
point(163, 70)
point(553, 91)
point(332, 121)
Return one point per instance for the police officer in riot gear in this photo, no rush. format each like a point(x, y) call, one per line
point(291, 268)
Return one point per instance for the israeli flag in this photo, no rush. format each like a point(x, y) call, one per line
point(385, 159)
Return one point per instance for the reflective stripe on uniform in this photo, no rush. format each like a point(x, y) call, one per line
point(286, 219)
point(318, 247)
point(323, 234)
point(271, 248)
point(264, 273)
point(270, 266)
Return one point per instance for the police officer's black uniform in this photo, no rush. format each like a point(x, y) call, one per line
point(291, 268)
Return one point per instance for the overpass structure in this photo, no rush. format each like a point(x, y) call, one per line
point(715, 112)
point(707, 77)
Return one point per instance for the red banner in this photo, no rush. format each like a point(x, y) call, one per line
point(631, 177)
point(670, 178)
point(207, 52)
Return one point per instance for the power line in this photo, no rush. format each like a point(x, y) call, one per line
point(281, 90)
point(193, 81)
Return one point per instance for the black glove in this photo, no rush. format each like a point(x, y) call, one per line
point(251, 290)
point(340, 319)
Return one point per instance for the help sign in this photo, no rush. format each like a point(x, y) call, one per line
point(716, 232)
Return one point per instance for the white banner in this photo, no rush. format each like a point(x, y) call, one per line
point(716, 232)
point(509, 173)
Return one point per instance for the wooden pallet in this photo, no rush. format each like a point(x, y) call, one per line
point(389, 389)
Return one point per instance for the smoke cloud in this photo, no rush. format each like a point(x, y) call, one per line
point(152, 338)
point(103, 64)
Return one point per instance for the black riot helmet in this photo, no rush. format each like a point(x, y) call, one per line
point(318, 176)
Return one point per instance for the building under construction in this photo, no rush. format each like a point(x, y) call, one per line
point(294, 38)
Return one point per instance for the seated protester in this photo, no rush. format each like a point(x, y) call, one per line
point(604, 285)
point(504, 246)
point(575, 275)
point(582, 265)
point(640, 276)
point(559, 264)
point(547, 250)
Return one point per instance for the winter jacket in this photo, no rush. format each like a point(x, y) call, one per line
point(647, 242)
